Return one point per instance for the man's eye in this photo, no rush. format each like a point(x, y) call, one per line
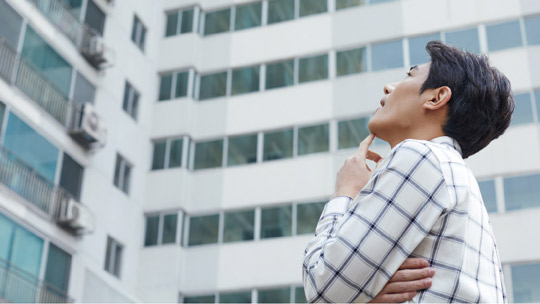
point(409, 74)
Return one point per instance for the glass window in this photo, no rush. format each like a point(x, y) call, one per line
point(238, 226)
point(175, 153)
point(165, 87)
point(299, 295)
point(312, 7)
point(352, 132)
point(208, 154)
point(71, 176)
point(138, 33)
point(387, 55)
point(308, 216)
point(217, 22)
point(181, 84)
point(245, 80)
point(158, 159)
point(280, 74)
point(169, 228)
point(379, 1)
point(522, 192)
point(131, 100)
point(487, 189)
point(278, 145)
point(313, 139)
point(75, 6)
point(537, 101)
point(417, 48)
point(203, 229)
point(248, 16)
point(58, 268)
point(113, 257)
point(10, 24)
point(313, 68)
point(276, 222)
point(2, 114)
point(213, 85)
point(523, 109)
point(235, 297)
point(200, 299)
point(242, 150)
point(152, 230)
point(84, 91)
point(95, 18)
point(503, 35)
point(47, 60)
point(30, 147)
point(187, 21)
point(466, 39)
point(122, 174)
point(172, 24)
point(532, 30)
point(277, 295)
point(341, 4)
point(351, 61)
point(525, 282)
point(280, 10)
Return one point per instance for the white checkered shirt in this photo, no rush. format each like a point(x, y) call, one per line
point(421, 201)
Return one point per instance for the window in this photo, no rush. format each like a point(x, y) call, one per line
point(58, 268)
point(171, 27)
point(307, 217)
point(276, 295)
point(213, 85)
point(161, 229)
point(351, 61)
point(235, 297)
point(487, 189)
point(248, 16)
point(200, 299)
point(245, 80)
point(2, 114)
point(342, 4)
point(239, 226)
point(187, 21)
point(278, 145)
point(387, 55)
point(95, 18)
point(242, 150)
point(537, 101)
point(84, 91)
point(280, 74)
point(165, 87)
point(299, 295)
point(167, 154)
point(180, 22)
point(71, 176)
point(417, 48)
point(10, 24)
point(312, 7)
point(173, 85)
point(352, 132)
point(152, 231)
point(532, 30)
point(523, 109)
point(313, 68)
point(208, 154)
point(276, 222)
point(138, 33)
point(503, 35)
point(203, 229)
point(75, 6)
point(122, 174)
point(30, 147)
point(217, 22)
point(313, 139)
point(170, 222)
point(131, 100)
point(466, 39)
point(522, 192)
point(280, 10)
point(525, 282)
point(113, 257)
point(379, 1)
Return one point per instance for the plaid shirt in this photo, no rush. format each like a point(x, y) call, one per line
point(421, 201)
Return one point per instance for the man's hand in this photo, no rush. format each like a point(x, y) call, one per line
point(413, 275)
point(354, 174)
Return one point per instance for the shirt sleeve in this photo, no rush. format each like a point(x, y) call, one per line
point(359, 244)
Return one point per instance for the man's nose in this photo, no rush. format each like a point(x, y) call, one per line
point(388, 88)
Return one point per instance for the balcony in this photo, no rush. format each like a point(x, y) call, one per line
point(18, 286)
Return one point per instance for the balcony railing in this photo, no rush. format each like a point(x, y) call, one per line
point(19, 286)
point(31, 81)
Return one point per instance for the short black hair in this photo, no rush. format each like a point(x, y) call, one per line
point(482, 102)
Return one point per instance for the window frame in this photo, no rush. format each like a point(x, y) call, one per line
point(133, 100)
point(122, 162)
point(138, 32)
point(161, 222)
point(112, 259)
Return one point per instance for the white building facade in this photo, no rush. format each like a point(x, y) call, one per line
point(182, 151)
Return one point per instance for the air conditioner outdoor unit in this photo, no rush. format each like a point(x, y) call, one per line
point(88, 128)
point(94, 50)
point(75, 216)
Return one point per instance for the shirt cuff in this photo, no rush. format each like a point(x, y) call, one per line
point(337, 206)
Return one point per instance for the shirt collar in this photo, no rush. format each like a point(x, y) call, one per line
point(447, 141)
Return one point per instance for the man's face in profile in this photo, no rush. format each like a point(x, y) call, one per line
point(401, 106)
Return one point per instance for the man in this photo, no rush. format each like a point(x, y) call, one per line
point(422, 200)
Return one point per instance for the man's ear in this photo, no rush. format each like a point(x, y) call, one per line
point(439, 97)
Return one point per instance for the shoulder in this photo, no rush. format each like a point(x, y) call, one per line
point(412, 155)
